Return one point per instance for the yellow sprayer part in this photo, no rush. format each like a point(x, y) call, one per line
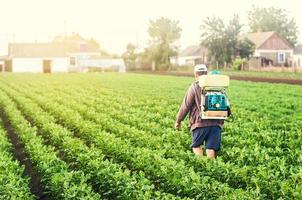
point(214, 81)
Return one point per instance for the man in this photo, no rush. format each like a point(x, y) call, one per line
point(206, 131)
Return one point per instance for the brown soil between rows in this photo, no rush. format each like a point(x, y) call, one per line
point(19, 153)
point(242, 78)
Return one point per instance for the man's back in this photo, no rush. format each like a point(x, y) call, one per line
point(191, 104)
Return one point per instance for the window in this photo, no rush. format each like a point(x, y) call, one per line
point(281, 57)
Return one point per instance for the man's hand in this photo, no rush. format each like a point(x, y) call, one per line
point(177, 126)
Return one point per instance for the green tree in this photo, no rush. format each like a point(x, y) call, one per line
point(163, 34)
point(273, 19)
point(144, 60)
point(245, 48)
point(130, 56)
point(221, 39)
point(213, 38)
point(232, 32)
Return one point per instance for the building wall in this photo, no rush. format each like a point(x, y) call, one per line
point(191, 60)
point(276, 42)
point(174, 60)
point(273, 55)
point(258, 52)
point(297, 60)
point(117, 63)
point(58, 64)
point(27, 65)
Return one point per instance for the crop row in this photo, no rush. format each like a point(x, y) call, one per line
point(110, 109)
point(108, 178)
point(13, 184)
point(236, 177)
point(261, 147)
point(172, 176)
point(231, 174)
point(154, 122)
point(240, 148)
point(58, 180)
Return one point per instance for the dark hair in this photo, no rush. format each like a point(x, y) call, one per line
point(201, 73)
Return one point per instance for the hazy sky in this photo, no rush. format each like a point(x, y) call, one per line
point(114, 23)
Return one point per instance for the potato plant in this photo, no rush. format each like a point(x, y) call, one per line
point(117, 129)
point(13, 183)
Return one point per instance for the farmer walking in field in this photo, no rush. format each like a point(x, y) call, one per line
point(204, 131)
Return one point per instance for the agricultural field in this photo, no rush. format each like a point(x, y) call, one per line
point(266, 74)
point(111, 136)
point(259, 74)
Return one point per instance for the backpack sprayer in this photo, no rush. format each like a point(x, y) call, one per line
point(214, 100)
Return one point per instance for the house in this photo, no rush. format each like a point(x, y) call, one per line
point(190, 56)
point(270, 49)
point(100, 64)
point(51, 57)
point(43, 57)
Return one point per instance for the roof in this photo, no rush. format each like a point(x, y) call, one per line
point(46, 49)
point(298, 50)
point(194, 50)
point(258, 38)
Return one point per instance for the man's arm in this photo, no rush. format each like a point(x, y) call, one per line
point(185, 106)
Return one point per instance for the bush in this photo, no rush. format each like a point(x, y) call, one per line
point(238, 63)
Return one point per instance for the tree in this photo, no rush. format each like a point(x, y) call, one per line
point(245, 48)
point(232, 34)
point(221, 40)
point(68, 38)
point(213, 38)
point(144, 59)
point(94, 43)
point(130, 56)
point(74, 38)
point(273, 19)
point(163, 34)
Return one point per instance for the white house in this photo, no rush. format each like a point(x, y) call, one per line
point(190, 56)
point(38, 57)
point(54, 57)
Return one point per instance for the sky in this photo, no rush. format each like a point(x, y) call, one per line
point(115, 23)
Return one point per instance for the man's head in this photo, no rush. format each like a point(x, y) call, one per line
point(200, 70)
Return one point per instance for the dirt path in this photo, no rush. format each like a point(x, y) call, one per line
point(268, 80)
point(20, 155)
point(242, 78)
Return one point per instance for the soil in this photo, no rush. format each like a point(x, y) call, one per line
point(243, 78)
point(268, 80)
point(20, 154)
